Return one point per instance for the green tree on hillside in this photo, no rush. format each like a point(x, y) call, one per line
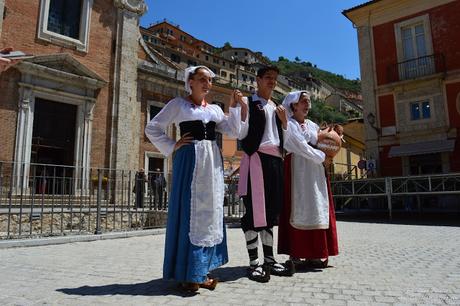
point(320, 112)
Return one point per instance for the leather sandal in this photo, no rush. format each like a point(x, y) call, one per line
point(278, 269)
point(190, 287)
point(260, 274)
point(209, 283)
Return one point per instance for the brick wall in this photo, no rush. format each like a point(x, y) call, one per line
point(20, 31)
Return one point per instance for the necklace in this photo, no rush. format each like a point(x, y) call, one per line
point(203, 103)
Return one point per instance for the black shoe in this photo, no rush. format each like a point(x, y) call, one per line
point(290, 266)
point(259, 274)
point(317, 263)
point(279, 269)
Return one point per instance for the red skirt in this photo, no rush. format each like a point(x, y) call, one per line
point(307, 244)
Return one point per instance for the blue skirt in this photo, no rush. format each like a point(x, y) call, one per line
point(183, 261)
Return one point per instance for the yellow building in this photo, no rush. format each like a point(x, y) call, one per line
point(352, 151)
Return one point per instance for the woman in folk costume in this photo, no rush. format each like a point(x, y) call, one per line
point(195, 233)
point(307, 227)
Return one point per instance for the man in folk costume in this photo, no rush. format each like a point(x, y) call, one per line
point(261, 175)
point(307, 228)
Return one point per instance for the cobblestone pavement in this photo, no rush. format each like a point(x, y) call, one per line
point(379, 264)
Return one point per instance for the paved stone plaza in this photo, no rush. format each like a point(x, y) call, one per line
point(379, 264)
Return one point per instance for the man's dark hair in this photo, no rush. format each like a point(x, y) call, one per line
point(262, 71)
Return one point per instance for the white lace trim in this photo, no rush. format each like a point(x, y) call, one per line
point(207, 196)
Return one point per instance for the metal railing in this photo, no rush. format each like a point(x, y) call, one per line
point(47, 200)
point(415, 68)
point(429, 192)
point(39, 200)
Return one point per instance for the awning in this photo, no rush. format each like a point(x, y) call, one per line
point(420, 148)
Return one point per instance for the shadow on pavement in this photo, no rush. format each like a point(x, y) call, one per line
point(229, 274)
point(156, 287)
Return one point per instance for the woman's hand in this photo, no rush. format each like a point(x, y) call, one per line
point(238, 98)
point(282, 115)
point(328, 162)
point(184, 140)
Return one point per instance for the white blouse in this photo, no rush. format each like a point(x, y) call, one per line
point(299, 139)
point(179, 110)
point(270, 136)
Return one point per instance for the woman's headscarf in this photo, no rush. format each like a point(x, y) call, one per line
point(293, 97)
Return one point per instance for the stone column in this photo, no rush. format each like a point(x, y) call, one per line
point(2, 9)
point(86, 145)
point(126, 127)
point(23, 139)
point(368, 90)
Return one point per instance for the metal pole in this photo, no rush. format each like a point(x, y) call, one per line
point(388, 192)
point(99, 194)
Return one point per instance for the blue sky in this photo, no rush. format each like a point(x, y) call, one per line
point(314, 30)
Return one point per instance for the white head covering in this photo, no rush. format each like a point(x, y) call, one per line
point(191, 70)
point(293, 97)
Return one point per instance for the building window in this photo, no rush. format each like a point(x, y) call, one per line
point(245, 77)
point(64, 17)
point(182, 38)
point(207, 58)
point(175, 58)
point(153, 108)
point(223, 74)
point(215, 60)
point(223, 64)
point(420, 110)
point(414, 47)
point(65, 22)
point(191, 63)
point(145, 37)
point(236, 53)
point(251, 79)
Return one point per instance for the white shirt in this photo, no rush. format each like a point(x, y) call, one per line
point(270, 136)
point(299, 137)
point(179, 110)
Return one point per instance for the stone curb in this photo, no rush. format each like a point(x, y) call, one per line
point(19, 243)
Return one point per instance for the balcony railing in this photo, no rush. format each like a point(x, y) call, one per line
point(416, 68)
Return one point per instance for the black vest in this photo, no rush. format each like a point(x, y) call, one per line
point(257, 122)
point(198, 130)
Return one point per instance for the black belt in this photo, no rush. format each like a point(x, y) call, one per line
point(198, 129)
